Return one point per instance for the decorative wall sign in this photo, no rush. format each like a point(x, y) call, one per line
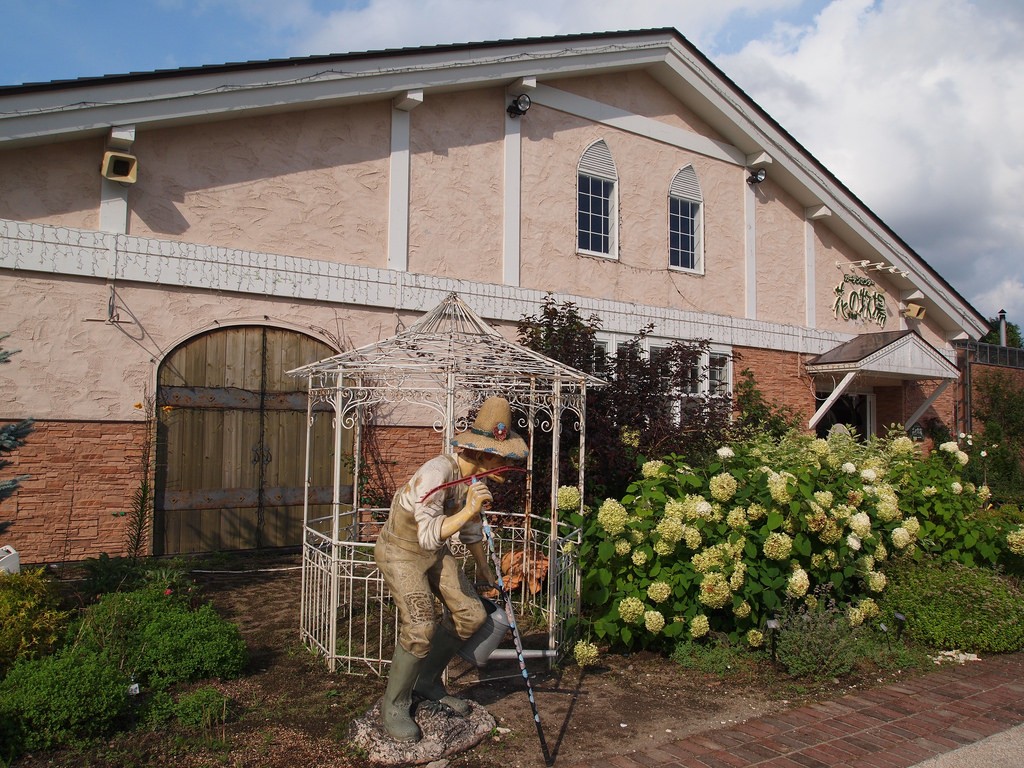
point(860, 303)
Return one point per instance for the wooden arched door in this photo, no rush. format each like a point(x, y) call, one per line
point(231, 442)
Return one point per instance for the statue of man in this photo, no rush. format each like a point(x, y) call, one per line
point(413, 556)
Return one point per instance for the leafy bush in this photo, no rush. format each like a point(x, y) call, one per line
point(817, 640)
point(160, 640)
point(68, 698)
point(953, 607)
point(105, 574)
point(721, 548)
point(202, 708)
point(718, 657)
point(30, 619)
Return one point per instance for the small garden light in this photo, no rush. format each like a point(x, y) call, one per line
point(885, 631)
point(773, 626)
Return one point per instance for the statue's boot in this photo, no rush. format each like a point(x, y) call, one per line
point(396, 706)
point(443, 645)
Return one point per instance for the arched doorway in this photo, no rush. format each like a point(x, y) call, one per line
point(231, 442)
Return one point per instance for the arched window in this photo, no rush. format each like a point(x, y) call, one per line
point(597, 202)
point(685, 216)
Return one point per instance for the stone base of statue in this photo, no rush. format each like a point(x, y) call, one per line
point(444, 734)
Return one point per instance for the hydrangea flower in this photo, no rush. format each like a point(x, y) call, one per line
point(949, 447)
point(725, 452)
point(692, 537)
point(723, 486)
point(630, 437)
point(737, 518)
point(956, 487)
point(585, 653)
point(659, 591)
point(912, 526)
point(755, 638)
point(929, 490)
point(798, 583)
point(901, 538)
point(902, 445)
point(714, 590)
point(631, 610)
point(778, 487)
point(622, 547)
point(738, 576)
point(868, 475)
point(824, 498)
point(860, 524)
point(875, 580)
point(869, 608)
point(675, 509)
point(855, 616)
point(670, 529)
point(962, 457)
point(568, 498)
point(755, 512)
point(881, 553)
point(639, 557)
point(742, 610)
point(652, 468)
point(853, 542)
point(777, 546)
point(849, 468)
point(699, 626)
point(654, 621)
point(1015, 541)
point(984, 493)
point(612, 516)
point(664, 547)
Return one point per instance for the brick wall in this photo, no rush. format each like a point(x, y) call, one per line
point(780, 376)
point(399, 452)
point(81, 476)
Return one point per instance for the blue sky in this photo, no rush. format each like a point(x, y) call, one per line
point(916, 105)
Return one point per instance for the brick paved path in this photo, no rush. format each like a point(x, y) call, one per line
point(896, 726)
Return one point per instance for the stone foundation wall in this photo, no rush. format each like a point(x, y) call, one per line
point(81, 478)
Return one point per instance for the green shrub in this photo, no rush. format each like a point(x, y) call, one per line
point(817, 641)
point(718, 657)
point(30, 622)
point(105, 574)
point(181, 647)
point(64, 699)
point(953, 607)
point(202, 708)
point(157, 637)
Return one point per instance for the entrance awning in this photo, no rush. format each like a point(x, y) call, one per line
point(901, 355)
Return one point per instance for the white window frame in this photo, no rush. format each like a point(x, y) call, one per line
point(685, 187)
point(597, 163)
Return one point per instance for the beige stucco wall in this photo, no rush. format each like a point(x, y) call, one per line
point(72, 368)
point(312, 183)
point(54, 183)
point(553, 143)
point(456, 188)
point(781, 272)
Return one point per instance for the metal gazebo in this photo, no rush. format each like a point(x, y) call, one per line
point(445, 365)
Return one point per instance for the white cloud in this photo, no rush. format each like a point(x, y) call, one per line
point(918, 107)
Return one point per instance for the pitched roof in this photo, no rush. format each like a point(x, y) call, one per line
point(893, 354)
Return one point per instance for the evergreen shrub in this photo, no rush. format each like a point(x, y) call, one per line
point(69, 698)
point(954, 607)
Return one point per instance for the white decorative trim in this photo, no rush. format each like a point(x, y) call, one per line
point(750, 250)
point(810, 284)
point(512, 201)
point(87, 253)
point(571, 104)
point(398, 191)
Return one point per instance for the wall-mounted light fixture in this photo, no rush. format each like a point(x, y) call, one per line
point(757, 176)
point(520, 105)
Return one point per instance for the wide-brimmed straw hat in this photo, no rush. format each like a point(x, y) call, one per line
point(491, 431)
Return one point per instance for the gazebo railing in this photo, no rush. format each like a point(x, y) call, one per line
point(349, 618)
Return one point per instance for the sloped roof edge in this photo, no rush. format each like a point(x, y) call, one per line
point(900, 354)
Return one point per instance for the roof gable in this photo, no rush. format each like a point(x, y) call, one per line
point(897, 354)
